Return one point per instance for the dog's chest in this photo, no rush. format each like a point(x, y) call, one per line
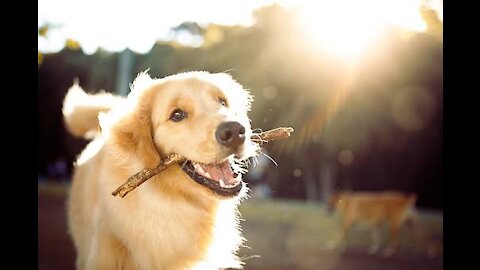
point(167, 236)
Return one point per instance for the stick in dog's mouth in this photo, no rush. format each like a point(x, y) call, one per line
point(219, 178)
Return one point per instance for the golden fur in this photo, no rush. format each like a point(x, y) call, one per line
point(373, 209)
point(170, 221)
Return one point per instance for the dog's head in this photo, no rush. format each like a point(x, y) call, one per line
point(198, 115)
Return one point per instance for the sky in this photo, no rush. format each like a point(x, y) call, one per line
point(117, 24)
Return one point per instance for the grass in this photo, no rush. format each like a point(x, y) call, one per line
point(285, 234)
point(305, 235)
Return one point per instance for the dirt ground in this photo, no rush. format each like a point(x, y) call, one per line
point(55, 248)
point(278, 246)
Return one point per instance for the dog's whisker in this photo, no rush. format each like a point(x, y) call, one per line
point(240, 166)
point(257, 138)
point(228, 70)
point(255, 159)
point(250, 257)
point(270, 158)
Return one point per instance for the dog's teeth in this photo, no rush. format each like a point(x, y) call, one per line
point(207, 174)
point(239, 177)
point(222, 184)
point(201, 170)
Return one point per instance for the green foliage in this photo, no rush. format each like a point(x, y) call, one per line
point(43, 30)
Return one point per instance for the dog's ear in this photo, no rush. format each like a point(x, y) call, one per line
point(133, 135)
point(132, 131)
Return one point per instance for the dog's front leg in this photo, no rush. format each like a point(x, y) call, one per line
point(374, 239)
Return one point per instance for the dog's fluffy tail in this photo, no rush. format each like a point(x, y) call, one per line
point(80, 110)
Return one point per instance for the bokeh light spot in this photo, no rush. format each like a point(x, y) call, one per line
point(297, 172)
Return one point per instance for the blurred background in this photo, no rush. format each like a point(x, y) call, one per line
point(361, 82)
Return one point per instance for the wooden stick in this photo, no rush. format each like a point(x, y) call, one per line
point(136, 180)
point(270, 135)
point(139, 178)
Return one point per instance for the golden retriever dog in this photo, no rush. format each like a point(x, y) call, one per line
point(185, 217)
point(373, 209)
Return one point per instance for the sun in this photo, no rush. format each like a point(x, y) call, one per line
point(348, 27)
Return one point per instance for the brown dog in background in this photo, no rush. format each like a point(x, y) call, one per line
point(373, 209)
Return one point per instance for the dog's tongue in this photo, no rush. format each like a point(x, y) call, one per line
point(220, 171)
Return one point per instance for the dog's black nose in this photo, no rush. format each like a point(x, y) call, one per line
point(230, 134)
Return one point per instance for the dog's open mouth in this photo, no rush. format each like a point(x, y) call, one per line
point(218, 177)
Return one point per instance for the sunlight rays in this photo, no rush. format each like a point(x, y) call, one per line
point(348, 27)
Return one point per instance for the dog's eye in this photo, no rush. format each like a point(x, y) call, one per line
point(222, 101)
point(178, 115)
